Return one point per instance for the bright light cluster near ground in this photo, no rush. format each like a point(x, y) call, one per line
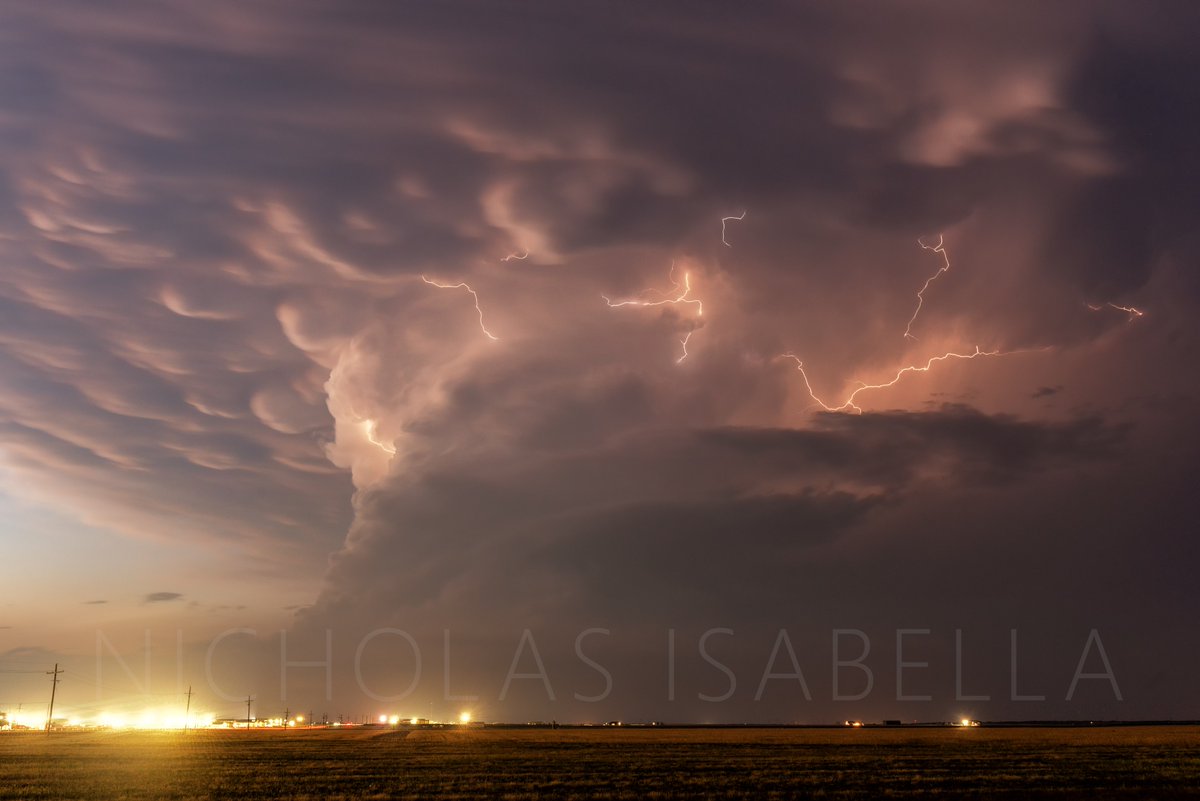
point(147, 719)
point(398, 720)
point(169, 719)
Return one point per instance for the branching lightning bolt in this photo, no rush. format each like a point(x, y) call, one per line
point(1130, 310)
point(514, 256)
point(684, 342)
point(679, 292)
point(474, 294)
point(725, 220)
point(849, 402)
point(938, 248)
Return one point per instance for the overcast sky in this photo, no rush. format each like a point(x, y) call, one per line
point(485, 318)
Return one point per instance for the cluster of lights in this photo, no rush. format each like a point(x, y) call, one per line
point(154, 719)
point(146, 720)
point(26, 720)
point(964, 723)
point(164, 719)
point(397, 720)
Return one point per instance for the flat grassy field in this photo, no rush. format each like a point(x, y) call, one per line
point(1141, 763)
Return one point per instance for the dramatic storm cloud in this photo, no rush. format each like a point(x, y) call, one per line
point(462, 320)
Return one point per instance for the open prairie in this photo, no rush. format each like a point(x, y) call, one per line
point(1060, 763)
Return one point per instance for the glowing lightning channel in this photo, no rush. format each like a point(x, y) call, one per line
point(684, 342)
point(849, 403)
point(725, 220)
point(680, 292)
point(514, 256)
point(463, 285)
point(938, 248)
point(369, 427)
point(683, 289)
point(1130, 310)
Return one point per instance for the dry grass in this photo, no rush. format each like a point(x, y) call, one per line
point(1158, 762)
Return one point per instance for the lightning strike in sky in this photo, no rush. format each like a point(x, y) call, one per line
point(938, 248)
point(514, 256)
point(1130, 310)
point(680, 292)
point(369, 427)
point(462, 285)
point(725, 220)
point(684, 342)
point(849, 402)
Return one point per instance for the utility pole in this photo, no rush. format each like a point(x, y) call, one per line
point(287, 715)
point(248, 700)
point(53, 689)
point(188, 710)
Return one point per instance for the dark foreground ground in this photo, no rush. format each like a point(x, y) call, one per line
point(1142, 763)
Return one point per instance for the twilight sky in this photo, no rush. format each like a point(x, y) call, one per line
point(371, 317)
